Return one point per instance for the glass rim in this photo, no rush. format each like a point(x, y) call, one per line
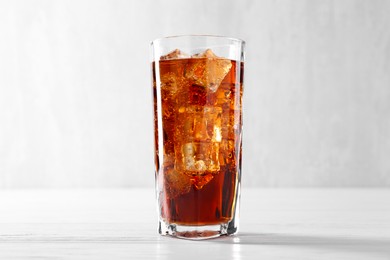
point(198, 35)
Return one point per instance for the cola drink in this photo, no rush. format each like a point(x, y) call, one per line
point(199, 101)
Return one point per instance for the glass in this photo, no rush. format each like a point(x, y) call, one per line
point(197, 91)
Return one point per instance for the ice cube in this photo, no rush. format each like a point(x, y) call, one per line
point(200, 127)
point(176, 183)
point(200, 133)
point(200, 166)
point(214, 165)
point(206, 54)
point(188, 149)
point(169, 84)
point(175, 54)
point(202, 158)
point(208, 71)
point(189, 163)
point(197, 123)
point(200, 180)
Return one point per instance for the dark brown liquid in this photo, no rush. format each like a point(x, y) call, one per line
point(198, 123)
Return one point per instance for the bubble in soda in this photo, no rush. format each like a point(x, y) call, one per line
point(208, 72)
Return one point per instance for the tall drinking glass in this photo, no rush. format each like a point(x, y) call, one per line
point(197, 91)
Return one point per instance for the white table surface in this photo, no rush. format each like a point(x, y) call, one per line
point(121, 224)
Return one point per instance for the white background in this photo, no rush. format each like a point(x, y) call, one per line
point(75, 90)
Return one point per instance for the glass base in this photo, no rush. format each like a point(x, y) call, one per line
point(197, 232)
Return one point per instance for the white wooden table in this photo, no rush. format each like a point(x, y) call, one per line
point(121, 224)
